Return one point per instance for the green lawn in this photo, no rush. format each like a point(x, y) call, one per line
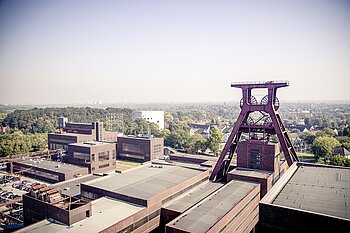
point(305, 155)
point(125, 165)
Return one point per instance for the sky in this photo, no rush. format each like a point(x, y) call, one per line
point(66, 52)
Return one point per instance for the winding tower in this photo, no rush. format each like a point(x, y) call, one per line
point(256, 118)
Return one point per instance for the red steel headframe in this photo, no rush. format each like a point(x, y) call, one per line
point(247, 106)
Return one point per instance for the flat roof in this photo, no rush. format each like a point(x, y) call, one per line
point(250, 172)
point(105, 212)
point(68, 134)
point(148, 138)
point(203, 216)
point(317, 188)
point(72, 187)
point(204, 157)
point(145, 181)
point(90, 144)
point(192, 197)
point(51, 165)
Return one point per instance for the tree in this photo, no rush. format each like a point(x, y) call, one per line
point(308, 122)
point(346, 145)
point(197, 143)
point(324, 146)
point(215, 139)
point(308, 137)
point(339, 160)
point(19, 143)
point(178, 139)
point(329, 132)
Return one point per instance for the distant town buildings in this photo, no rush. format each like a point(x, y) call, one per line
point(156, 117)
point(201, 129)
point(340, 150)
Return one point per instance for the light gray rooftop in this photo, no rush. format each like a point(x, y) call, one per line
point(319, 189)
point(145, 181)
point(203, 216)
point(204, 157)
point(105, 212)
point(250, 172)
point(193, 196)
point(90, 144)
point(72, 187)
point(51, 165)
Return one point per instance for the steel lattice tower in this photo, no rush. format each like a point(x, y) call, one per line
point(269, 123)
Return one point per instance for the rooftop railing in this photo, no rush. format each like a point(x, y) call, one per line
point(261, 82)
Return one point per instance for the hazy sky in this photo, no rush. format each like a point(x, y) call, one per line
point(171, 51)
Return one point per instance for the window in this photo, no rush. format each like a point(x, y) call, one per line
point(157, 148)
point(104, 165)
point(153, 215)
point(113, 154)
point(255, 158)
point(132, 148)
point(82, 156)
point(132, 156)
point(93, 157)
point(140, 222)
point(103, 156)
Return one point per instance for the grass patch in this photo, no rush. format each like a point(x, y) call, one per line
point(305, 155)
point(130, 163)
point(125, 165)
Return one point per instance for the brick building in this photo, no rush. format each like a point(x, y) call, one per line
point(96, 156)
point(79, 132)
point(139, 149)
point(46, 170)
point(44, 202)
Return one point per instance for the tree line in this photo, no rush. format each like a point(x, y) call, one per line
point(27, 129)
point(20, 143)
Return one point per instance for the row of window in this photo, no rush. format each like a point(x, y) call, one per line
point(54, 146)
point(141, 157)
point(62, 141)
point(132, 148)
point(82, 156)
point(157, 148)
point(35, 172)
point(102, 156)
point(255, 158)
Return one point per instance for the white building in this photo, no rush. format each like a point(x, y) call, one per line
point(156, 117)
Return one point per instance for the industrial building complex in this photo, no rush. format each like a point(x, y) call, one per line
point(255, 185)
